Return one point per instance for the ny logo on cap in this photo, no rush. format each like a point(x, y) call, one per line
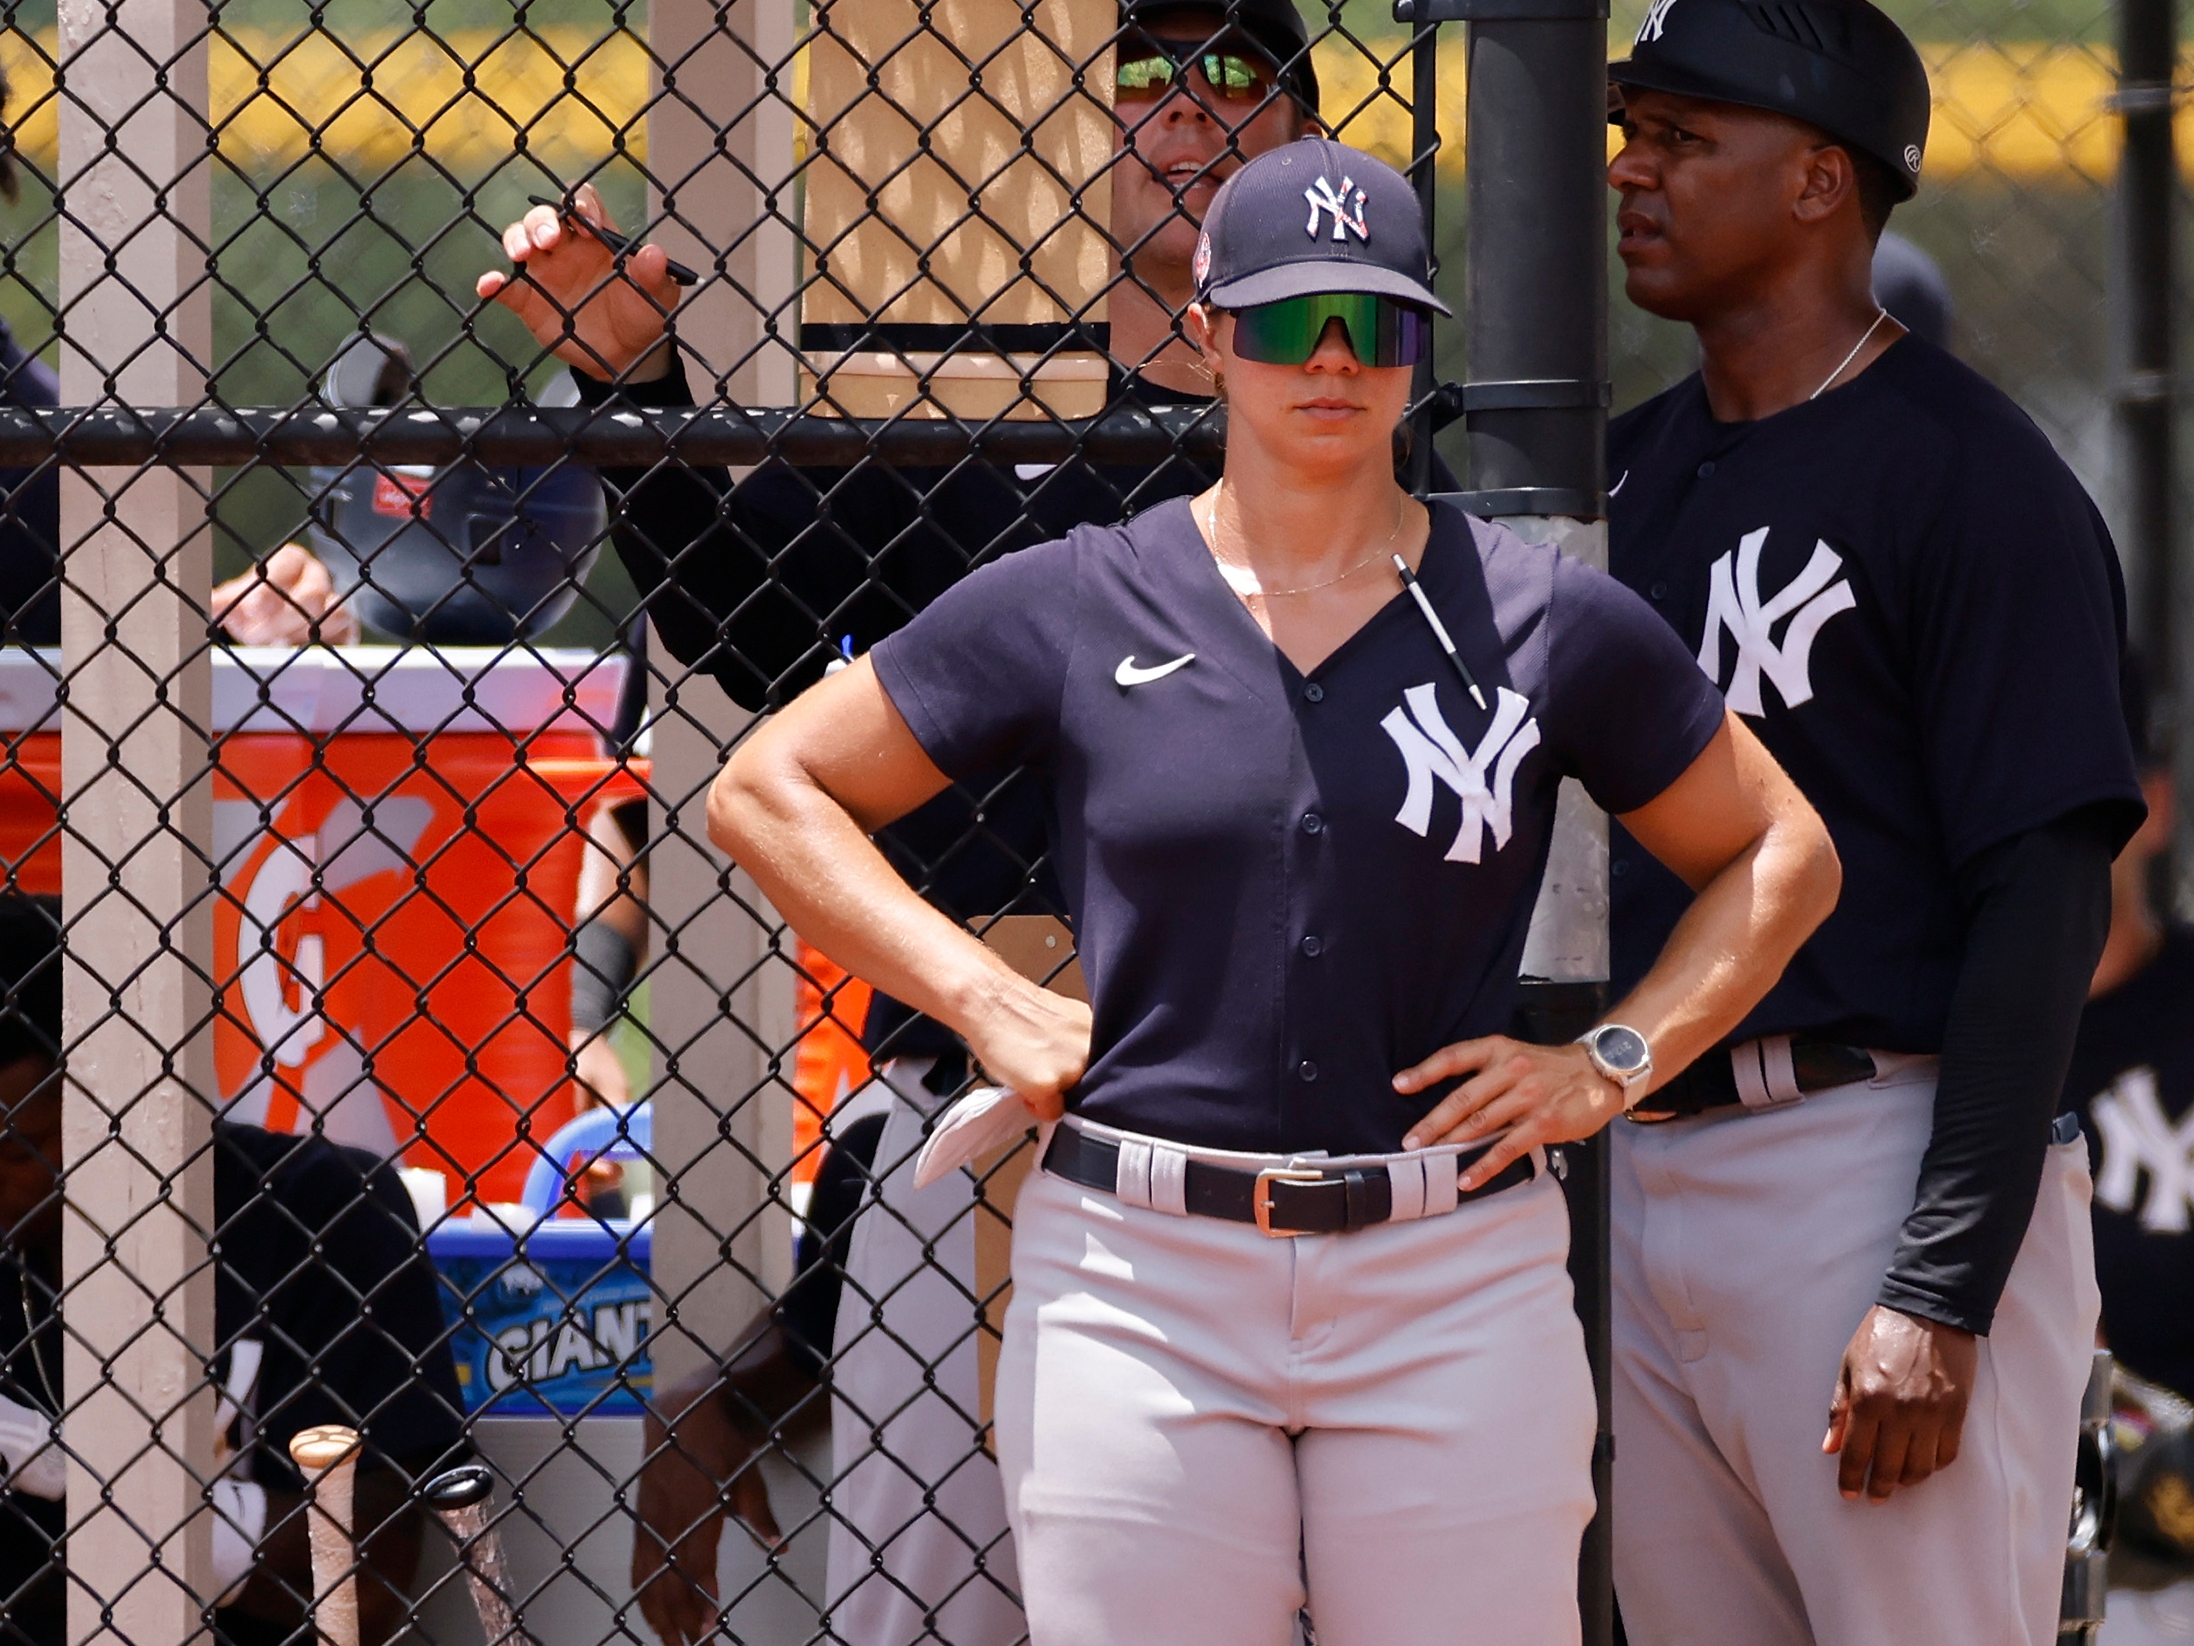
point(1323, 197)
point(1656, 20)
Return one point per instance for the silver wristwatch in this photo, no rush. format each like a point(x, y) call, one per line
point(1622, 1054)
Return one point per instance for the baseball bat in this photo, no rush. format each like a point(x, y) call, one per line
point(327, 1456)
point(459, 1499)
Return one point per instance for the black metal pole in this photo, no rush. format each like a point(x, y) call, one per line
point(1553, 1014)
point(1535, 411)
point(1424, 154)
point(1535, 408)
point(2148, 198)
point(1535, 265)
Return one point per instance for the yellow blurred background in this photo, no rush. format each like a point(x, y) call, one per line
point(2028, 111)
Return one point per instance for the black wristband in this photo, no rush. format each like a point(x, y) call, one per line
point(602, 970)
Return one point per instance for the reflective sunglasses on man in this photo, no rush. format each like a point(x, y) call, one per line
point(1151, 67)
point(1381, 331)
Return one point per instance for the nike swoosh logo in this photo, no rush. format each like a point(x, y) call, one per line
point(1618, 486)
point(1127, 674)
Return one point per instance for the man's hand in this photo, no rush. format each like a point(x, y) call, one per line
point(1900, 1403)
point(1035, 1043)
point(681, 1514)
point(598, 1069)
point(567, 290)
point(1541, 1094)
point(280, 601)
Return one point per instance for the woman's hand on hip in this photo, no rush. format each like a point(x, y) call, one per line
point(1539, 1094)
point(1034, 1043)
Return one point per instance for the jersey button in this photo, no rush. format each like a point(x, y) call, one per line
point(1313, 823)
point(1307, 1071)
point(1314, 946)
point(1659, 591)
point(1706, 469)
point(1314, 693)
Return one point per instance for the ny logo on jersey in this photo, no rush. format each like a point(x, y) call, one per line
point(1434, 754)
point(1733, 603)
point(1324, 198)
point(2139, 1137)
point(1656, 19)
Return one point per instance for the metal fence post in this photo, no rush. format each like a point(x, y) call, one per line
point(1535, 412)
point(2147, 236)
point(137, 803)
point(1535, 405)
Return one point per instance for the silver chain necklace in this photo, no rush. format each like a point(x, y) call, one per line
point(1244, 582)
point(1880, 314)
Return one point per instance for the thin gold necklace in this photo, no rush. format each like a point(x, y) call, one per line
point(1244, 582)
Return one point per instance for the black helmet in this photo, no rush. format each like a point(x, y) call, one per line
point(462, 555)
point(1841, 65)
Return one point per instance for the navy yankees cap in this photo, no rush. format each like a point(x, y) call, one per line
point(1315, 216)
point(1841, 65)
point(1275, 25)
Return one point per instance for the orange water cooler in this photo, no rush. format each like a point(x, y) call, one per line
point(397, 835)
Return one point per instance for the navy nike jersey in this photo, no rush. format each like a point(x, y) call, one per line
point(1286, 888)
point(1906, 594)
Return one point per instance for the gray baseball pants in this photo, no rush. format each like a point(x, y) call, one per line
point(1193, 1418)
point(919, 1551)
point(1748, 1248)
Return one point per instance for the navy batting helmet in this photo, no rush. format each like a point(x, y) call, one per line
point(463, 555)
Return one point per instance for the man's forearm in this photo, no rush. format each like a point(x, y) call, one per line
point(2039, 908)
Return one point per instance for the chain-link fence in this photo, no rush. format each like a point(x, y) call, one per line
point(390, 1048)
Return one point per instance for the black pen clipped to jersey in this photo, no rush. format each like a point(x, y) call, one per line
point(679, 273)
point(1439, 629)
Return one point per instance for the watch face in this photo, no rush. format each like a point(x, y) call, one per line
point(1621, 1048)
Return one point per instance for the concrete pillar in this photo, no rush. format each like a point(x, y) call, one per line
point(720, 186)
point(138, 812)
point(720, 1248)
point(721, 997)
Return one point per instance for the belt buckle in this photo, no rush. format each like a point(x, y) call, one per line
point(1260, 1197)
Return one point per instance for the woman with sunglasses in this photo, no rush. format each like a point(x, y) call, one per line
point(1301, 739)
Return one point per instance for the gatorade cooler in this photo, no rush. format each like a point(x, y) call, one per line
point(399, 835)
point(549, 1308)
point(30, 771)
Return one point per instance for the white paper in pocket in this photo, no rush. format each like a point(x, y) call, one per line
point(981, 1123)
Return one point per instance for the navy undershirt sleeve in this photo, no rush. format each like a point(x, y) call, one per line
point(1628, 708)
point(2039, 907)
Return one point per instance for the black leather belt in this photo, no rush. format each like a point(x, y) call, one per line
point(1768, 1082)
point(1280, 1200)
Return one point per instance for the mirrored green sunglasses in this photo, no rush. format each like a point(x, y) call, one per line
point(1382, 331)
point(1149, 67)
